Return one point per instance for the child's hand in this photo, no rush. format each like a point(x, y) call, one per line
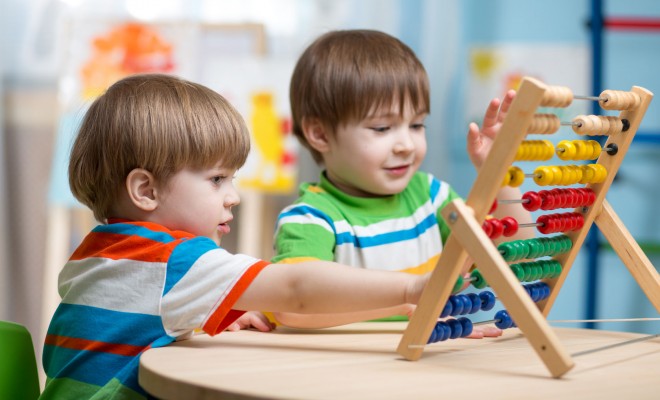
point(479, 142)
point(252, 319)
point(480, 332)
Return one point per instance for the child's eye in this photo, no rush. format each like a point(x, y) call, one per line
point(418, 126)
point(216, 180)
point(380, 129)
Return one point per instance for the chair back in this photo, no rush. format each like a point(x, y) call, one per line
point(19, 378)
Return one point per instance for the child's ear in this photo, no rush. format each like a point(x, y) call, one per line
point(141, 187)
point(316, 134)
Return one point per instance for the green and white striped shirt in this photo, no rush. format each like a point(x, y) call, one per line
point(403, 232)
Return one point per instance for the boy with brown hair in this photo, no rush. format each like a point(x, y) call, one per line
point(359, 100)
point(154, 159)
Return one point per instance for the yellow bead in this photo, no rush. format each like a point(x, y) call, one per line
point(596, 148)
point(517, 176)
point(543, 176)
point(566, 150)
point(507, 178)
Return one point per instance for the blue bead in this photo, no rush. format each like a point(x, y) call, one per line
point(457, 305)
point(534, 293)
point(434, 337)
point(545, 289)
point(467, 304)
point(467, 326)
point(445, 332)
point(503, 320)
point(447, 310)
point(487, 300)
point(456, 328)
point(476, 302)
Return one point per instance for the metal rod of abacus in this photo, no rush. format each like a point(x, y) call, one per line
point(530, 225)
point(611, 346)
point(513, 201)
point(595, 98)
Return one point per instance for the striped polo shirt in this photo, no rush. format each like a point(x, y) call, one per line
point(131, 286)
point(403, 232)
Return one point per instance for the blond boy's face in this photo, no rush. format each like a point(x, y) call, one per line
point(199, 202)
point(378, 155)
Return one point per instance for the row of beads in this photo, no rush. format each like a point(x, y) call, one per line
point(561, 96)
point(569, 174)
point(524, 272)
point(558, 198)
point(462, 327)
point(553, 223)
point(595, 125)
point(534, 270)
point(450, 329)
point(543, 150)
point(495, 228)
point(578, 150)
point(470, 303)
point(534, 248)
point(598, 125)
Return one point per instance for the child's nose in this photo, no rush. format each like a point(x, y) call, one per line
point(404, 143)
point(232, 199)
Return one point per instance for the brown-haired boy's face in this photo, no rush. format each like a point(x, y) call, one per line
point(378, 155)
point(198, 202)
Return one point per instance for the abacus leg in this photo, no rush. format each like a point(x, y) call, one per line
point(509, 290)
point(631, 254)
point(430, 305)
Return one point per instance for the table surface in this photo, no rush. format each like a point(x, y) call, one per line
point(360, 361)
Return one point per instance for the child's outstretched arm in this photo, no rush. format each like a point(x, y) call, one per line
point(319, 287)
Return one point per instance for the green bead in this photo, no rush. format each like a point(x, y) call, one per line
point(557, 269)
point(527, 270)
point(459, 285)
point(547, 268)
point(507, 251)
point(479, 282)
point(518, 271)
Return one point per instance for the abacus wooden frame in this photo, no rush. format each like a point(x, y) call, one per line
point(469, 239)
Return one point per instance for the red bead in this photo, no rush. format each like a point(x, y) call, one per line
point(498, 228)
point(545, 227)
point(493, 207)
point(533, 201)
point(510, 226)
point(488, 228)
point(547, 200)
point(575, 197)
point(591, 197)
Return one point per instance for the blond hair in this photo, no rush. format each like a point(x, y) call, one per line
point(343, 76)
point(160, 123)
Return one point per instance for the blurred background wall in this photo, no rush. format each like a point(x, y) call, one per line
point(473, 50)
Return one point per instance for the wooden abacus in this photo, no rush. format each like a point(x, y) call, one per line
point(468, 238)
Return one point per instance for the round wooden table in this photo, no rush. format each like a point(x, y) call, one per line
point(359, 361)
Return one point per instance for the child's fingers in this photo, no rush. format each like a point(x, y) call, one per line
point(476, 334)
point(490, 331)
point(234, 327)
point(261, 323)
point(473, 133)
point(506, 103)
point(492, 112)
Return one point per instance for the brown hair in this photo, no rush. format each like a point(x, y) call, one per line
point(343, 76)
point(157, 122)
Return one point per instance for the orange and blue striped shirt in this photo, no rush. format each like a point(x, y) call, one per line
point(131, 286)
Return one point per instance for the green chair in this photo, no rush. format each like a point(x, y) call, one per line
point(18, 366)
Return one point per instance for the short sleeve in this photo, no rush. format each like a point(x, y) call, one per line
point(304, 232)
point(202, 284)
